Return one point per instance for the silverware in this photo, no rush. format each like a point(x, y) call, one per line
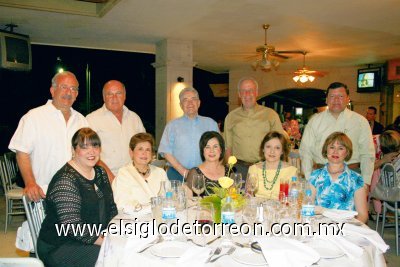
point(156, 241)
point(241, 245)
point(230, 251)
point(191, 240)
point(215, 252)
point(211, 241)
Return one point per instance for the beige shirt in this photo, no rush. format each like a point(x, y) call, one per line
point(354, 125)
point(115, 136)
point(244, 130)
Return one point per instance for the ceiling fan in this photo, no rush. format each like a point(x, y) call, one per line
point(269, 56)
point(305, 74)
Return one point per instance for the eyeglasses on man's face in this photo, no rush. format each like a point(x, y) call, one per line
point(65, 87)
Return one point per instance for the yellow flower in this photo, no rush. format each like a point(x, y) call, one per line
point(232, 160)
point(225, 182)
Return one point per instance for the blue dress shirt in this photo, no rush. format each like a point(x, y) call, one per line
point(181, 139)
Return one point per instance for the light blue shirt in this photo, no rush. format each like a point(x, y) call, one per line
point(181, 139)
point(337, 194)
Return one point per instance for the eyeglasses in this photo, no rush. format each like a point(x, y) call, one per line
point(66, 87)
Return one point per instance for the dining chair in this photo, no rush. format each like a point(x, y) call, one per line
point(13, 194)
point(388, 191)
point(35, 214)
point(21, 262)
point(11, 164)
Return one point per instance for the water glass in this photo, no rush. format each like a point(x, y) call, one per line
point(175, 185)
point(156, 208)
point(250, 215)
point(180, 205)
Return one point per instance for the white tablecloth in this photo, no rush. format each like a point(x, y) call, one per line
point(114, 252)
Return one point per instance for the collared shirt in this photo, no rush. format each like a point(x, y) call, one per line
point(337, 194)
point(245, 129)
point(129, 187)
point(354, 125)
point(115, 136)
point(46, 137)
point(181, 139)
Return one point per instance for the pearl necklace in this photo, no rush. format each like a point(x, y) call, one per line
point(89, 176)
point(264, 173)
point(336, 172)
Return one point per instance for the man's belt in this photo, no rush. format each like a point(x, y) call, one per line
point(245, 163)
point(351, 166)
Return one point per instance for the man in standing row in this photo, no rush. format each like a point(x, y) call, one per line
point(180, 140)
point(115, 124)
point(42, 141)
point(337, 118)
point(376, 127)
point(246, 126)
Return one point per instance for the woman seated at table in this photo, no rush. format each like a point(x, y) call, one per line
point(389, 146)
point(273, 169)
point(138, 181)
point(212, 152)
point(79, 195)
point(335, 186)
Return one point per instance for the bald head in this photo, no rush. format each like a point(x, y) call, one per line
point(114, 96)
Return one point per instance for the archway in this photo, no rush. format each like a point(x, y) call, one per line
point(302, 102)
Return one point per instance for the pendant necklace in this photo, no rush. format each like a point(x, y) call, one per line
point(142, 173)
point(273, 181)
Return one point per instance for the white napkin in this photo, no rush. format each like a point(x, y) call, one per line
point(371, 235)
point(339, 215)
point(194, 256)
point(353, 251)
point(286, 252)
point(136, 244)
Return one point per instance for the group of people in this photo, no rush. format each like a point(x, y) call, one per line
point(109, 167)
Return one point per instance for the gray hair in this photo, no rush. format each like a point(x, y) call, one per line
point(188, 89)
point(247, 79)
point(55, 78)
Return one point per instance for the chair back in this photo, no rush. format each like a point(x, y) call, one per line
point(11, 163)
point(35, 214)
point(5, 177)
point(8, 170)
point(388, 187)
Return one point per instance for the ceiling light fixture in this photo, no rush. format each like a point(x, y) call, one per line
point(303, 78)
point(302, 75)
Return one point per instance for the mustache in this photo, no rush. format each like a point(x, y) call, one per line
point(67, 97)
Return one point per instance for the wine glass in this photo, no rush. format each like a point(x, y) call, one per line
point(251, 184)
point(198, 185)
point(205, 217)
point(237, 179)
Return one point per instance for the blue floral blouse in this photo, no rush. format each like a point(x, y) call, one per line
point(337, 194)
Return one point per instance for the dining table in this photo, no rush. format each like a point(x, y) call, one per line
point(133, 249)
